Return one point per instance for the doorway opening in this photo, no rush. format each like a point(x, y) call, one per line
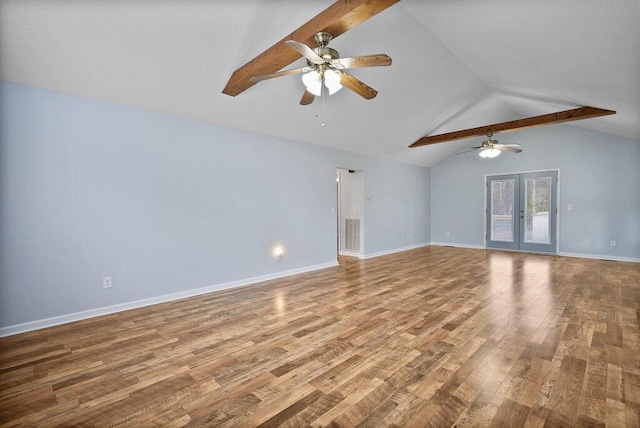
point(522, 211)
point(350, 227)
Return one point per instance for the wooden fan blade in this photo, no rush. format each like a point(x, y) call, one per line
point(362, 61)
point(357, 86)
point(505, 148)
point(281, 73)
point(307, 98)
point(305, 51)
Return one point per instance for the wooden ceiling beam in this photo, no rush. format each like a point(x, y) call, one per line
point(529, 122)
point(337, 19)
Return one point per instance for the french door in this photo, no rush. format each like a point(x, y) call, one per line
point(522, 211)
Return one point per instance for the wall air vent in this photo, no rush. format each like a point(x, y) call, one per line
point(352, 234)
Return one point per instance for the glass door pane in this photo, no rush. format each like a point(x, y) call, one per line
point(503, 211)
point(536, 210)
point(502, 198)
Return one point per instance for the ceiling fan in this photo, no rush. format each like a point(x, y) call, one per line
point(338, 18)
point(325, 69)
point(491, 148)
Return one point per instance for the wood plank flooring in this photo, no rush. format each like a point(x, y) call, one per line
point(435, 336)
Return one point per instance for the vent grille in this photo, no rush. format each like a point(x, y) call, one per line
point(352, 234)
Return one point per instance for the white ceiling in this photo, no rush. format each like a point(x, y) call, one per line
point(456, 64)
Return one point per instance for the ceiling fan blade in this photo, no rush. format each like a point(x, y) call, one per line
point(514, 145)
point(362, 61)
point(305, 51)
point(467, 151)
point(360, 88)
point(505, 148)
point(307, 98)
point(281, 73)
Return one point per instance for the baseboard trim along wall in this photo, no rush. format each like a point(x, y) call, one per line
point(561, 253)
point(601, 257)
point(395, 250)
point(107, 310)
point(446, 244)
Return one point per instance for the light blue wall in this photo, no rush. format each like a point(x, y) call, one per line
point(599, 177)
point(166, 205)
point(391, 221)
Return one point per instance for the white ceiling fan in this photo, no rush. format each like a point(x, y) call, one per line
point(325, 68)
point(491, 148)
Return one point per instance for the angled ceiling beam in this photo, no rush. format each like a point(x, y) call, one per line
point(338, 18)
point(528, 122)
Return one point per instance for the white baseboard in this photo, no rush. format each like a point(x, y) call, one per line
point(600, 257)
point(107, 310)
point(395, 250)
point(78, 316)
point(562, 254)
point(447, 244)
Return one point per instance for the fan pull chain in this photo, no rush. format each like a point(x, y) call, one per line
point(323, 91)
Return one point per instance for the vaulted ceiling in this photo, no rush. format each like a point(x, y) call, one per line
point(456, 64)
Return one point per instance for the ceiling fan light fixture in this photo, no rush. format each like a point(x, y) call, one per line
point(313, 82)
point(489, 152)
point(332, 81)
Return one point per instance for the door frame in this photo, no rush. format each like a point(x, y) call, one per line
point(558, 205)
point(360, 195)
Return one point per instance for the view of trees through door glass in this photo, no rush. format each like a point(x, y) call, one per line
point(536, 213)
point(502, 207)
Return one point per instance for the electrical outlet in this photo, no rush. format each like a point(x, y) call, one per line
point(107, 282)
point(613, 243)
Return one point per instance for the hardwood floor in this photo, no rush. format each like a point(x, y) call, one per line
point(436, 336)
